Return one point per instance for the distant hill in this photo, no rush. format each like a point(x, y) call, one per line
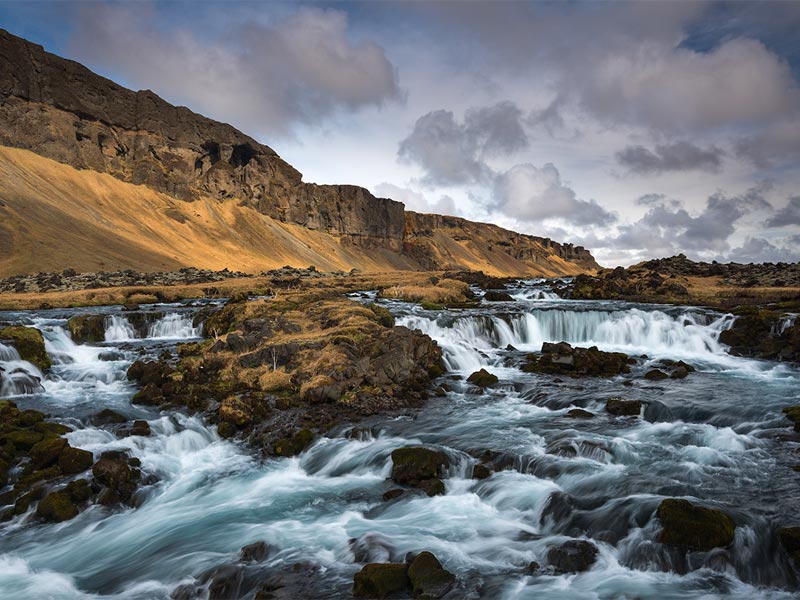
point(96, 176)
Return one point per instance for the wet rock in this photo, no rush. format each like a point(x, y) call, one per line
point(415, 464)
point(57, 507)
point(497, 296)
point(378, 580)
point(139, 427)
point(255, 552)
point(679, 373)
point(579, 413)
point(149, 395)
point(118, 477)
point(432, 487)
point(108, 417)
point(623, 407)
point(793, 414)
point(694, 527)
point(561, 358)
point(111, 356)
point(574, 556)
point(557, 508)
point(393, 493)
point(226, 583)
point(790, 540)
point(74, 460)
point(87, 328)
point(24, 439)
point(428, 578)
point(481, 471)
point(294, 446)
point(371, 548)
point(28, 343)
point(483, 378)
point(79, 490)
point(655, 375)
point(46, 452)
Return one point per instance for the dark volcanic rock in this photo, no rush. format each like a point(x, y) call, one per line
point(380, 580)
point(412, 465)
point(428, 578)
point(563, 359)
point(694, 527)
point(622, 407)
point(573, 556)
point(483, 378)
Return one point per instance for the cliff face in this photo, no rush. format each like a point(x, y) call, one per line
point(59, 109)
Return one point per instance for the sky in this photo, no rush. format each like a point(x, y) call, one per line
point(637, 130)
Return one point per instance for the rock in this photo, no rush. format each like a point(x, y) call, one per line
point(379, 580)
point(111, 356)
point(74, 460)
point(371, 548)
point(432, 487)
point(24, 439)
point(57, 507)
point(393, 493)
point(226, 583)
point(87, 328)
point(624, 408)
point(561, 358)
point(79, 490)
point(149, 395)
point(483, 378)
point(429, 579)
point(139, 427)
point(255, 552)
point(29, 344)
point(226, 430)
point(574, 556)
point(679, 373)
point(291, 447)
point(793, 414)
point(46, 452)
point(655, 375)
point(790, 540)
point(694, 527)
point(481, 471)
point(497, 296)
point(579, 413)
point(107, 417)
point(413, 465)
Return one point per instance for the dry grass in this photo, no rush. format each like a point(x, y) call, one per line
point(442, 292)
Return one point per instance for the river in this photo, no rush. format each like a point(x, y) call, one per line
point(717, 437)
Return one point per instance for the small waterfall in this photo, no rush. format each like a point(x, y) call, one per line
point(467, 340)
point(174, 326)
point(17, 376)
point(119, 329)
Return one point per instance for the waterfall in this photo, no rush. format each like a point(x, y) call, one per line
point(174, 326)
point(119, 329)
point(17, 376)
point(467, 340)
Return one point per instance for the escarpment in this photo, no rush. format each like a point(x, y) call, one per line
point(61, 110)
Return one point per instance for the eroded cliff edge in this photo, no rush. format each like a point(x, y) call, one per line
point(61, 110)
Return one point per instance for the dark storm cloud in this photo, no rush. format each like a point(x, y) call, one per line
point(455, 153)
point(788, 215)
point(680, 156)
point(775, 146)
point(533, 194)
point(755, 249)
point(299, 68)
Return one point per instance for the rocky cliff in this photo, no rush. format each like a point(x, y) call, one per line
point(59, 109)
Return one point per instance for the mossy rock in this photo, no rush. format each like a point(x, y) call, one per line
point(29, 418)
point(428, 305)
point(793, 414)
point(29, 344)
point(579, 413)
point(694, 527)
point(87, 328)
point(481, 471)
point(4, 466)
point(380, 580)
point(382, 315)
point(429, 580)
point(57, 507)
point(79, 490)
point(497, 296)
point(483, 378)
point(656, 375)
point(790, 540)
point(623, 408)
point(108, 417)
point(46, 452)
point(226, 430)
point(24, 439)
point(49, 429)
point(432, 487)
point(412, 465)
point(74, 460)
point(291, 447)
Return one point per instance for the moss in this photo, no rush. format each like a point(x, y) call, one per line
point(48, 429)
point(428, 305)
point(79, 490)
point(793, 414)
point(226, 429)
point(378, 580)
point(74, 460)
point(24, 439)
point(382, 314)
point(29, 343)
point(46, 452)
point(412, 465)
point(694, 527)
point(57, 507)
point(432, 487)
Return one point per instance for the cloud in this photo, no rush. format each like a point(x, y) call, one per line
point(788, 215)
point(760, 250)
point(680, 156)
point(533, 194)
point(267, 78)
point(776, 145)
point(415, 201)
point(455, 153)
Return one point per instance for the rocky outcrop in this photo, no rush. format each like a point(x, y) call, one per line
point(693, 527)
point(563, 359)
point(59, 109)
point(29, 343)
point(763, 333)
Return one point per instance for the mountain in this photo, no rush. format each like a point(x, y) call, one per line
point(94, 175)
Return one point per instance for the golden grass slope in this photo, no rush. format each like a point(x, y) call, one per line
point(53, 216)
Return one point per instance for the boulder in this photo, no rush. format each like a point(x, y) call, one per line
point(57, 507)
point(46, 452)
point(623, 408)
point(790, 540)
point(29, 344)
point(74, 460)
point(380, 580)
point(579, 413)
point(687, 525)
point(429, 580)
point(481, 471)
point(655, 375)
point(415, 464)
point(497, 296)
point(574, 556)
point(139, 427)
point(432, 487)
point(483, 378)
point(793, 414)
point(563, 359)
point(107, 417)
point(87, 328)
point(255, 552)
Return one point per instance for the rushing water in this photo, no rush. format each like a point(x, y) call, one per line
point(717, 437)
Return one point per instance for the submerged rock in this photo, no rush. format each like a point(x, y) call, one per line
point(579, 413)
point(87, 328)
point(694, 527)
point(574, 556)
point(428, 578)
